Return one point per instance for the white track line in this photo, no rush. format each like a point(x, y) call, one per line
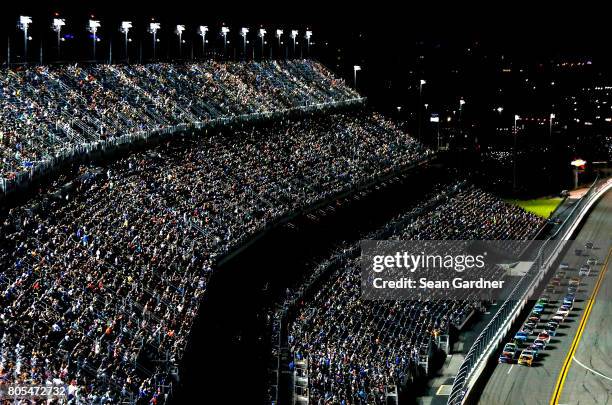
point(591, 370)
point(510, 369)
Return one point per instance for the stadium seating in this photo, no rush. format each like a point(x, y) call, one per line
point(356, 348)
point(102, 283)
point(46, 111)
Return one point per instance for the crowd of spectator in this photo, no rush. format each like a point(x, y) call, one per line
point(46, 110)
point(356, 348)
point(101, 282)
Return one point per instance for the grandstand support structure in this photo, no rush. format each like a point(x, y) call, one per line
point(484, 346)
point(300, 383)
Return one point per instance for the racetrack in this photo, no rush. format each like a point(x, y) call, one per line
point(513, 384)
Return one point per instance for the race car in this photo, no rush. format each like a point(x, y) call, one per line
point(592, 261)
point(538, 309)
point(544, 336)
point(569, 299)
point(572, 289)
point(521, 337)
point(584, 271)
point(552, 324)
point(508, 354)
point(544, 299)
point(534, 350)
point(564, 266)
point(558, 318)
point(526, 358)
point(534, 318)
point(551, 330)
point(539, 344)
point(589, 245)
point(561, 274)
point(564, 312)
point(528, 327)
point(556, 281)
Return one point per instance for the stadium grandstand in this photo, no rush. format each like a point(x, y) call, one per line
point(134, 195)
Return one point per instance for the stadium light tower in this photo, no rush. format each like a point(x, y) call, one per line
point(153, 28)
point(125, 29)
point(307, 36)
point(179, 31)
point(224, 31)
point(202, 31)
point(93, 28)
point(550, 124)
point(243, 32)
point(24, 22)
point(57, 25)
point(422, 82)
point(262, 34)
point(516, 118)
point(294, 34)
point(356, 69)
point(279, 33)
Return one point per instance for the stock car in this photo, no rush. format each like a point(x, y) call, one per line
point(538, 309)
point(521, 336)
point(535, 350)
point(526, 358)
point(592, 261)
point(564, 310)
point(588, 245)
point(551, 328)
point(544, 300)
point(508, 354)
point(584, 271)
point(534, 318)
point(563, 266)
point(544, 336)
point(529, 327)
point(569, 299)
point(558, 318)
point(539, 344)
point(556, 281)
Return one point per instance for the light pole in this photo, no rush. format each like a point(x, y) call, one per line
point(419, 118)
point(436, 119)
point(294, 34)
point(57, 25)
point(202, 31)
point(307, 36)
point(461, 103)
point(93, 28)
point(279, 33)
point(516, 118)
point(179, 31)
point(356, 68)
point(153, 28)
point(125, 29)
point(262, 34)
point(243, 32)
point(550, 124)
point(24, 22)
point(224, 31)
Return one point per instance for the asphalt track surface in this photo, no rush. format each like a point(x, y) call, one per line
point(557, 376)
